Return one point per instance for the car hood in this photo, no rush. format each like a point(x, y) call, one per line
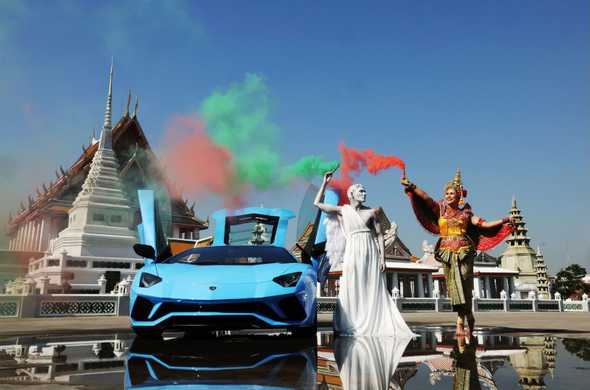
point(213, 282)
point(224, 274)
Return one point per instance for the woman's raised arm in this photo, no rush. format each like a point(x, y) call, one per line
point(328, 208)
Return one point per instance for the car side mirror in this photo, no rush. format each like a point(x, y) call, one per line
point(145, 251)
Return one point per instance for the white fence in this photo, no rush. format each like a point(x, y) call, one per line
point(328, 304)
point(63, 305)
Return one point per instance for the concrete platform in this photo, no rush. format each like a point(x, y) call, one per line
point(565, 322)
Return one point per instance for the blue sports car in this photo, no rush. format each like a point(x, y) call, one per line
point(230, 285)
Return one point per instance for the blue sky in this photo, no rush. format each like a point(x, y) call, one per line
point(497, 88)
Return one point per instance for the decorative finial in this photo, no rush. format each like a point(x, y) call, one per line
point(108, 110)
point(44, 187)
point(136, 110)
point(539, 251)
point(62, 170)
point(106, 139)
point(513, 201)
point(128, 104)
point(57, 175)
point(457, 178)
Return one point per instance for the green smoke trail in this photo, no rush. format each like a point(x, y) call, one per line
point(239, 120)
point(307, 168)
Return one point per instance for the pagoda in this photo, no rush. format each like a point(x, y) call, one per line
point(82, 225)
point(542, 282)
point(519, 256)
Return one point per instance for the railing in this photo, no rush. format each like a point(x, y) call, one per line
point(63, 305)
point(328, 304)
point(10, 306)
point(59, 305)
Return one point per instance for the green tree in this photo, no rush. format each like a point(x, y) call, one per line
point(569, 280)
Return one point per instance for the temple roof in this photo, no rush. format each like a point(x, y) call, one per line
point(125, 132)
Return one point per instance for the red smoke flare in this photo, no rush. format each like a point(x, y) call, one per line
point(195, 163)
point(353, 161)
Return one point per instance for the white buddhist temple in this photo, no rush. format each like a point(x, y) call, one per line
point(411, 278)
point(77, 235)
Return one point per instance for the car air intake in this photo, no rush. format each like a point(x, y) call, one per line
point(141, 309)
point(292, 308)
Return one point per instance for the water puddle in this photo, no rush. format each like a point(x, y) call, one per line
point(434, 360)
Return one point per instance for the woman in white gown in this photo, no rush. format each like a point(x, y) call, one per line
point(354, 237)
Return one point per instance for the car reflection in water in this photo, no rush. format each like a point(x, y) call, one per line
point(263, 362)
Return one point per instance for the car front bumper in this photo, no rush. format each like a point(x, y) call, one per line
point(270, 312)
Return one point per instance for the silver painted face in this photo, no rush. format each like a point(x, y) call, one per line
point(360, 194)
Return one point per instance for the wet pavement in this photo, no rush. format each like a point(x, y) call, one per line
point(435, 359)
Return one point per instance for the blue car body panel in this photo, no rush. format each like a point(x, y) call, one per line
point(199, 292)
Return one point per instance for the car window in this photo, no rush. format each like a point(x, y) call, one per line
point(233, 255)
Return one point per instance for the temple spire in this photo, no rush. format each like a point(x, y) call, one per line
point(105, 134)
point(136, 110)
point(128, 104)
point(519, 236)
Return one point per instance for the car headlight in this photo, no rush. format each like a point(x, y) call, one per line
point(148, 280)
point(288, 280)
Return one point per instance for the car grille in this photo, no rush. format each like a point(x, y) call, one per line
point(246, 307)
point(289, 308)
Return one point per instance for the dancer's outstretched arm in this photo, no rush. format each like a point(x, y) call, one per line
point(328, 208)
point(411, 187)
point(380, 240)
point(478, 221)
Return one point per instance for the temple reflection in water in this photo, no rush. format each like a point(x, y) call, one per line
point(434, 360)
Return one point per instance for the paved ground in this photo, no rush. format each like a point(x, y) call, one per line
point(510, 322)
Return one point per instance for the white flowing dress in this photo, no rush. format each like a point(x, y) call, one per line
point(364, 306)
point(369, 363)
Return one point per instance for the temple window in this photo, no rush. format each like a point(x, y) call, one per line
point(110, 264)
point(116, 219)
point(76, 263)
point(186, 233)
point(98, 217)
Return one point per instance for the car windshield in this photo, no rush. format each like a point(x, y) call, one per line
point(233, 255)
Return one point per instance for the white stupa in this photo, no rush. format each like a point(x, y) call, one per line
point(99, 237)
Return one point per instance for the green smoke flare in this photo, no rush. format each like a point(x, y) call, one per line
point(239, 120)
point(307, 168)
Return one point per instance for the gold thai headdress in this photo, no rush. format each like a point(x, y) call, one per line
point(457, 184)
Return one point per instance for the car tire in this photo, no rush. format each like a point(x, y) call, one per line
point(148, 333)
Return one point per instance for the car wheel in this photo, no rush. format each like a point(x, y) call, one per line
point(148, 333)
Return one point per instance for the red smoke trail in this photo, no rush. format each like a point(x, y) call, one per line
point(196, 164)
point(353, 161)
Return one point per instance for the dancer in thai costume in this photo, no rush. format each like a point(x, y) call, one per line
point(354, 237)
point(461, 234)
